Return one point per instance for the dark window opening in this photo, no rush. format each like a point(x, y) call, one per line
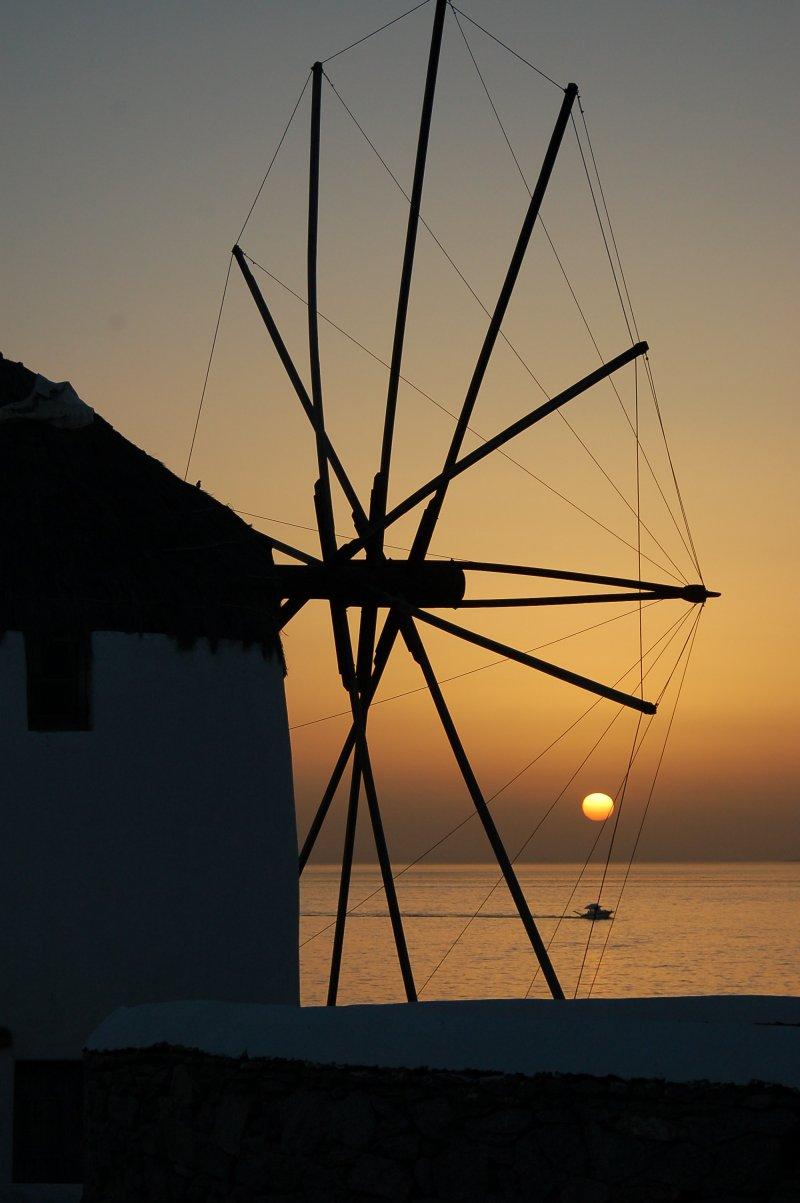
point(59, 677)
point(48, 1121)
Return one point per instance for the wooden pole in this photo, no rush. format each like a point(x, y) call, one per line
point(569, 599)
point(378, 508)
point(366, 639)
point(325, 502)
point(354, 675)
point(382, 653)
point(430, 517)
point(417, 650)
point(387, 877)
point(544, 666)
point(692, 593)
point(344, 884)
point(297, 384)
point(341, 632)
point(365, 773)
point(327, 798)
point(449, 473)
point(439, 484)
point(363, 770)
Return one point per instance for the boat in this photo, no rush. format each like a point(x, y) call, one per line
point(593, 910)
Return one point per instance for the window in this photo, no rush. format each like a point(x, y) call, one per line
point(59, 670)
point(48, 1121)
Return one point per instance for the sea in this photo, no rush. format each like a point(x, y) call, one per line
point(730, 928)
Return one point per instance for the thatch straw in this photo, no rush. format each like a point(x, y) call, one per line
point(98, 535)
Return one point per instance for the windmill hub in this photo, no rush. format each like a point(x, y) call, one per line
point(358, 583)
point(698, 594)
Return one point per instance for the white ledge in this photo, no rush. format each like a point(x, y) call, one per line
point(725, 1038)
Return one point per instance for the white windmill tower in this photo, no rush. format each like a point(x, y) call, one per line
point(148, 844)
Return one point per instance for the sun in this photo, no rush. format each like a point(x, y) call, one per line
point(597, 806)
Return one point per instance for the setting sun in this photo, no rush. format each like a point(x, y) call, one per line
point(597, 806)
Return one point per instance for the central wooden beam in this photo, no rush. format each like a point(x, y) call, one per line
point(379, 494)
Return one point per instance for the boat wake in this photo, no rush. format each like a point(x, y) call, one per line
point(383, 914)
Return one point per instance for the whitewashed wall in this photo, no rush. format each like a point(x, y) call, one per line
point(154, 857)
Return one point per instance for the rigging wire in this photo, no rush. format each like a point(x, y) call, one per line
point(646, 806)
point(514, 859)
point(526, 367)
point(274, 157)
point(228, 275)
point(603, 826)
point(648, 368)
point(609, 256)
point(691, 549)
point(608, 215)
point(208, 367)
point(615, 827)
point(471, 671)
point(622, 792)
point(517, 464)
point(561, 414)
point(618, 815)
point(313, 530)
point(675, 629)
point(668, 635)
point(380, 29)
point(515, 53)
point(649, 372)
point(568, 282)
point(568, 903)
point(688, 547)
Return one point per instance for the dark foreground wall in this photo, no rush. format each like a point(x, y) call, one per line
point(171, 1124)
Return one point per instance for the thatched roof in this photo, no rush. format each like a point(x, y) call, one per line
point(98, 534)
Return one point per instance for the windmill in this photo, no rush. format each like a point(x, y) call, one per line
point(356, 575)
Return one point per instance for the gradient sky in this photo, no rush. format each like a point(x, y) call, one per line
point(134, 137)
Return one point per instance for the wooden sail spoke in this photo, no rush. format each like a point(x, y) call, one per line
point(428, 523)
point(359, 514)
point(327, 798)
point(363, 767)
point(544, 666)
point(434, 486)
point(293, 552)
point(322, 492)
point(383, 650)
point(416, 648)
point(569, 599)
point(691, 593)
point(379, 494)
point(344, 883)
point(387, 877)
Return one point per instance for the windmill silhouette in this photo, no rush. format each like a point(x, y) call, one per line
point(358, 575)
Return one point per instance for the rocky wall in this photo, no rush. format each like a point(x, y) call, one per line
point(174, 1124)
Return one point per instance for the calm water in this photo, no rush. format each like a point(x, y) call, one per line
point(680, 929)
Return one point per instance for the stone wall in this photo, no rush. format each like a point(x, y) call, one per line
point(173, 1124)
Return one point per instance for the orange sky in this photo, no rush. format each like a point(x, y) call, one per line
point(136, 152)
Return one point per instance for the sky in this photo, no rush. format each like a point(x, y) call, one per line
point(134, 140)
